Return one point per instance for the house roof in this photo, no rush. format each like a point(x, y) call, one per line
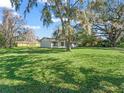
point(51, 39)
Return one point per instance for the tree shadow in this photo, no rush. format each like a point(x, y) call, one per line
point(90, 80)
point(11, 64)
point(98, 82)
point(31, 50)
point(67, 78)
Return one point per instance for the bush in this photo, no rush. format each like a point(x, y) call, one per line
point(87, 40)
point(104, 43)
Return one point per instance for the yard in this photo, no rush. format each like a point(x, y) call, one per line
point(85, 70)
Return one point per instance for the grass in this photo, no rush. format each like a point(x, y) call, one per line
point(37, 70)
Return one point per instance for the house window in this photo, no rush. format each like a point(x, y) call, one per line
point(62, 43)
point(55, 43)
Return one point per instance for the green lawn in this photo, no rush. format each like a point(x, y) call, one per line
point(86, 70)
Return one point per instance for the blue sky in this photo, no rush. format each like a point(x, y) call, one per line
point(32, 19)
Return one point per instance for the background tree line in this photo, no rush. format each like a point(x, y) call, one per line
point(13, 29)
point(11, 24)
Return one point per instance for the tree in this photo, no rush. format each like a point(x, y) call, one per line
point(84, 38)
point(26, 35)
point(10, 26)
point(84, 19)
point(109, 19)
point(69, 35)
point(66, 12)
point(2, 40)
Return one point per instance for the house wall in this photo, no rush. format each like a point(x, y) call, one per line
point(45, 43)
point(48, 43)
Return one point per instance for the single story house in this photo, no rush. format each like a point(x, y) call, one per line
point(53, 43)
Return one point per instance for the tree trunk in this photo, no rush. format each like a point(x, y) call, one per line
point(113, 44)
point(11, 43)
point(68, 46)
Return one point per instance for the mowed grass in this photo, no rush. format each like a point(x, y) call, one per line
point(85, 70)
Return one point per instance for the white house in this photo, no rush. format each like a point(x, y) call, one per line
point(53, 43)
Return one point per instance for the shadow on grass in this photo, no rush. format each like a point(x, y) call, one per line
point(101, 82)
point(42, 88)
point(49, 50)
point(74, 79)
point(12, 64)
point(121, 50)
point(31, 50)
point(101, 48)
point(89, 80)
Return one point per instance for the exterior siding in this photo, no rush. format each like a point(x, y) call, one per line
point(45, 43)
point(50, 43)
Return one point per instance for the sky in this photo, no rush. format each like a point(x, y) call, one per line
point(32, 19)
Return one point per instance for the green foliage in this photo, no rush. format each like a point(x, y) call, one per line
point(84, 39)
point(104, 43)
point(109, 19)
point(46, 16)
point(86, 70)
point(16, 3)
point(121, 43)
point(2, 40)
